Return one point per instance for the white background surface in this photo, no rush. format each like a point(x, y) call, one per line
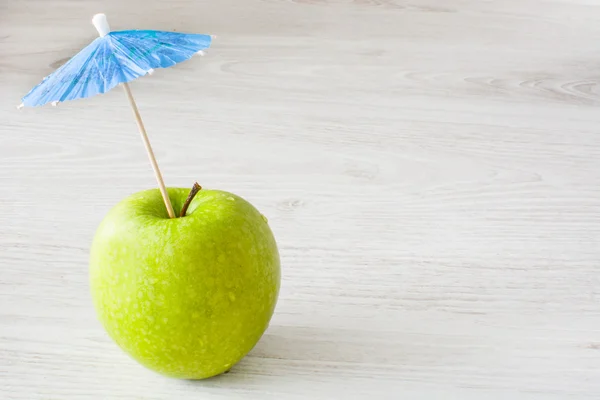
point(431, 171)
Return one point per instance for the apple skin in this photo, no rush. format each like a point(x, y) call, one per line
point(186, 297)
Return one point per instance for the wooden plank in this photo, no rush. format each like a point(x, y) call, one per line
point(430, 170)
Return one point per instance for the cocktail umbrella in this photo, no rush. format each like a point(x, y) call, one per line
point(115, 58)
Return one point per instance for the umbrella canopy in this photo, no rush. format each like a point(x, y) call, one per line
point(113, 58)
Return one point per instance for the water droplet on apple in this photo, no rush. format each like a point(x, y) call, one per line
point(230, 198)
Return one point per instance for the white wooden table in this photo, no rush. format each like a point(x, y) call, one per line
point(431, 170)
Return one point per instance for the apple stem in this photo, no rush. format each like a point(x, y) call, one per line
point(195, 189)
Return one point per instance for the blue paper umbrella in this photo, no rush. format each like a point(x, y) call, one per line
point(117, 58)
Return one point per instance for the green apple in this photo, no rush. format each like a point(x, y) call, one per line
point(187, 297)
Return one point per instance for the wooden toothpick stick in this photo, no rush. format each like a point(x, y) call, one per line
point(157, 174)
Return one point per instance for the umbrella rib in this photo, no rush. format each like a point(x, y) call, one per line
point(74, 83)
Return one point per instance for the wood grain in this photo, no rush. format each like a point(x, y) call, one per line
point(431, 171)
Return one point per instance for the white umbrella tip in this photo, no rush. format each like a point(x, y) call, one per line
point(101, 24)
point(150, 71)
point(54, 103)
point(20, 106)
point(200, 53)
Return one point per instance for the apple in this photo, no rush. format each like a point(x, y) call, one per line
point(186, 297)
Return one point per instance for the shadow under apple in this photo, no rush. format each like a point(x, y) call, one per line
point(312, 354)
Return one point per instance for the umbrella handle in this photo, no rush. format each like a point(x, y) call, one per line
point(157, 174)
